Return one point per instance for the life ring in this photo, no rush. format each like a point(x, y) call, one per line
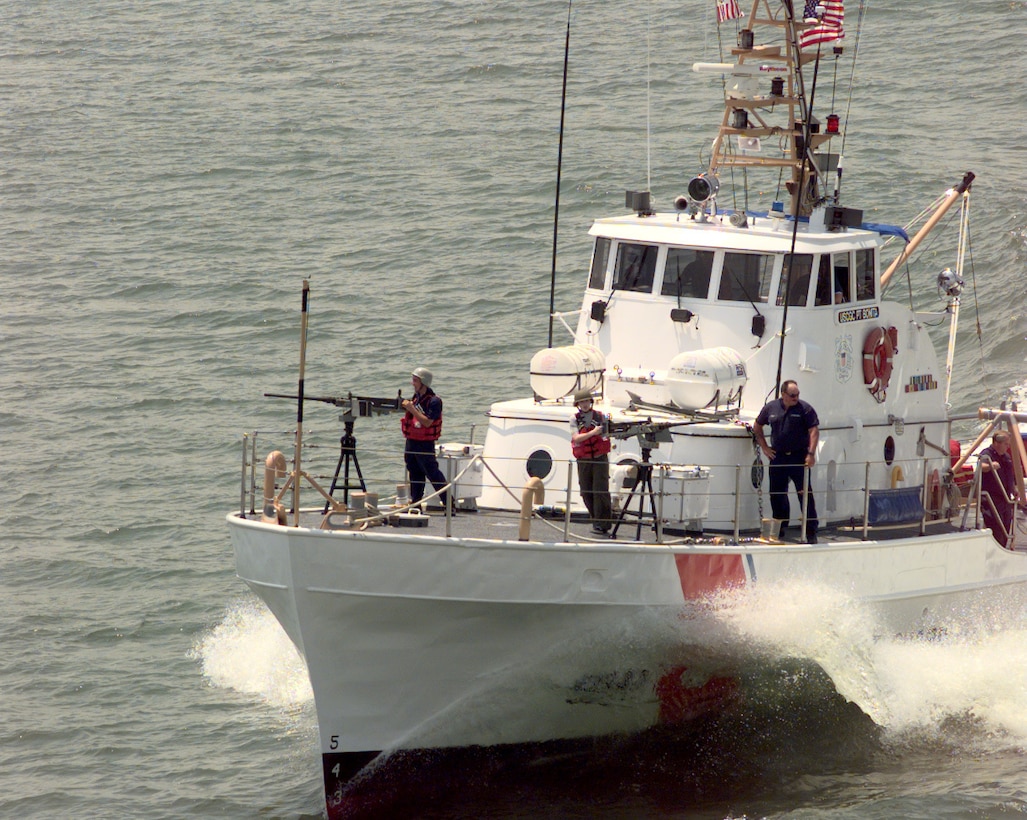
point(878, 350)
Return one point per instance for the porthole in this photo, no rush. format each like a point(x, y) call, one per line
point(540, 464)
point(889, 450)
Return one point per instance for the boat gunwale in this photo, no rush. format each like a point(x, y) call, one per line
point(742, 547)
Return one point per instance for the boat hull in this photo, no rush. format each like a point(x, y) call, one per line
point(428, 642)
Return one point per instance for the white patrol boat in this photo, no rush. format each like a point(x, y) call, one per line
point(690, 321)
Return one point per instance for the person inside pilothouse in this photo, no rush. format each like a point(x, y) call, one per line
point(833, 280)
point(635, 268)
point(687, 273)
point(795, 431)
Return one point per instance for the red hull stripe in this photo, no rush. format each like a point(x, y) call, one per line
point(703, 574)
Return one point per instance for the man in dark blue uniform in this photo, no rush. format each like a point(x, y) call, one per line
point(999, 482)
point(795, 431)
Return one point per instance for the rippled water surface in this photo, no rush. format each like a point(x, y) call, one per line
point(171, 172)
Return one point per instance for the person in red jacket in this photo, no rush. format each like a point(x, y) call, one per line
point(590, 444)
point(422, 427)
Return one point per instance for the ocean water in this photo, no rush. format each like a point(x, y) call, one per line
point(170, 173)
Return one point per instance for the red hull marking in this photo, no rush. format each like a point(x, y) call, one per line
point(680, 703)
point(703, 574)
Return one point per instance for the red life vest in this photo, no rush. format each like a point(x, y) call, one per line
point(412, 428)
point(590, 447)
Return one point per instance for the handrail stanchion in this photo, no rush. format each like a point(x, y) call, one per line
point(807, 491)
point(253, 474)
point(659, 506)
point(978, 512)
point(738, 499)
point(242, 481)
point(970, 494)
point(866, 502)
point(450, 501)
point(567, 505)
point(923, 502)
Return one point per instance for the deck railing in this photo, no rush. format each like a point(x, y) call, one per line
point(656, 496)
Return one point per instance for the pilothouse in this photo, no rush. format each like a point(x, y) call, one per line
point(690, 313)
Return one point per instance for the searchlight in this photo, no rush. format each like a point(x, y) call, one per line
point(702, 188)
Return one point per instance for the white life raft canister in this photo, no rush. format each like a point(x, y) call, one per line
point(699, 378)
point(560, 371)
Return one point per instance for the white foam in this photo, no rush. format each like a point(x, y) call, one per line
point(249, 652)
point(911, 683)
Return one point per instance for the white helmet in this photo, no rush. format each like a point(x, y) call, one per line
point(424, 374)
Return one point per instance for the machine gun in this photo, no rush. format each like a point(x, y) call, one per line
point(352, 407)
point(650, 433)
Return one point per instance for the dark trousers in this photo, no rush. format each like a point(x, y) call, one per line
point(1003, 525)
point(785, 468)
point(422, 464)
point(594, 484)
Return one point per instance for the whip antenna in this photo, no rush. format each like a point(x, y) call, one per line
point(299, 405)
point(559, 169)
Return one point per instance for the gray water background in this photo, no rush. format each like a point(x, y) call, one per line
point(170, 172)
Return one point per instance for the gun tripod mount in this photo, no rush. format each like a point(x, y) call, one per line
point(650, 436)
point(353, 407)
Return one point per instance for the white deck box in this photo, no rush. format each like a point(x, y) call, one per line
point(686, 495)
point(455, 457)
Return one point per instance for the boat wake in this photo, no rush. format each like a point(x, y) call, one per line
point(970, 669)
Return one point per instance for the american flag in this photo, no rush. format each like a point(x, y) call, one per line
point(728, 10)
point(830, 26)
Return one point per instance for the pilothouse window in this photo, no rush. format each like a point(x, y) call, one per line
point(636, 267)
point(833, 287)
point(687, 273)
point(795, 269)
point(746, 277)
point(600, 258)
point(865, 274)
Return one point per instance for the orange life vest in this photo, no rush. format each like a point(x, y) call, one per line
point(590, 447)
point(413, 429)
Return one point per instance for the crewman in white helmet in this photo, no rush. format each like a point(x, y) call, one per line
point(422, 426)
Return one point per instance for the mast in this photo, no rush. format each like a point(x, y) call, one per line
point(953, 288)
point(767, 120)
